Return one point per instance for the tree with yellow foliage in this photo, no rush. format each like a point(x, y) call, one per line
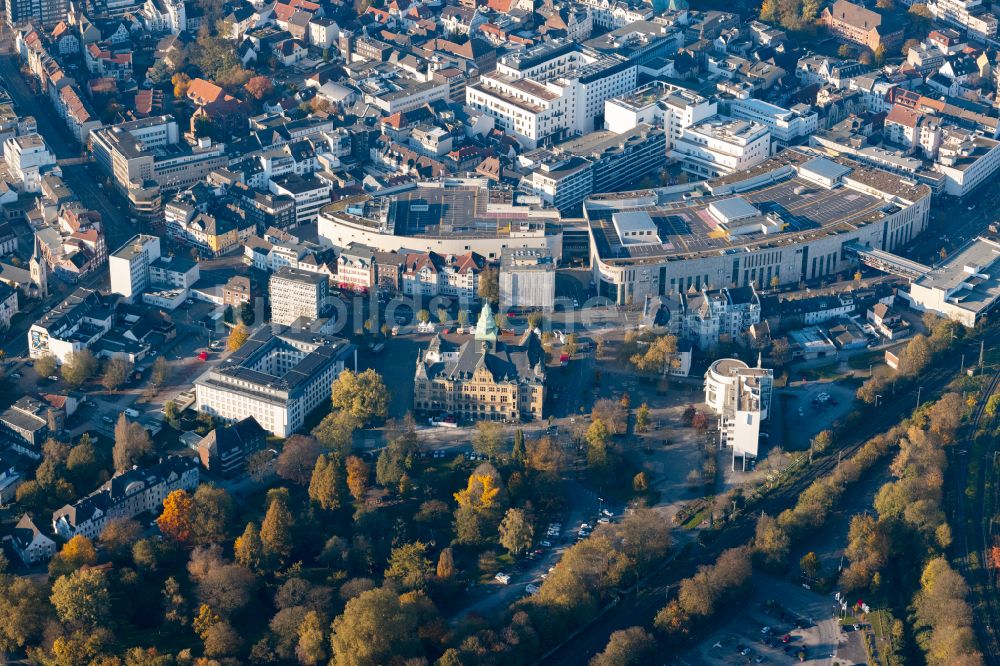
point(480, 505)
point(175, 521)
point(237, 337)
point(78, 552)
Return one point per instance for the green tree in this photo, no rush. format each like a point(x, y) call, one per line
point(516, 531)
point(211, 514)
point(642, 418)
point(489, 439)
point(326, 483)
point(627, 647)
point(78, 368)
point(442, 316)
point(809, 564)
point(311, 649)
point(249, 549)
point(375, 628)
point(423, 316)
point(45, 365)
point(409, 566)
point(82, 599)
point(489, 285)
point(336, 431)
point(276, 529)
point(132, 444)
point(362, 394)
point(597, 437)
point(518, 453)
point(771, 542)
point(24, 610)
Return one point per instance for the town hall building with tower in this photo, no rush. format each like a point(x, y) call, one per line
point(483, 378)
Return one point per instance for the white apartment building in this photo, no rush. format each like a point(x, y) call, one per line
point(29, 158)
point(278, 377)
point(972, 15)
point(8, 305)
point(786, 125)
point(125, 495)
point(661, 104)
point(72, 326)
point(310, 194)
point(527, 278)
point(551, 91)
point(721, 146)
point(741, 397)
point(966, 159)
point(296, 293)
point(614, 14)
point(716, 315)
point(129, 265)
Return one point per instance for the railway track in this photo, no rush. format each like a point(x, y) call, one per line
point(640, 609)
point(977, 541)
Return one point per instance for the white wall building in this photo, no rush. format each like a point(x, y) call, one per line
point(965, 287)
point(28, 157)
point(786, 125)
point(527, 279)
point(972, 15)
point(125, 495)
point(661, 104)
point(129, 265)
point(551, 91)
point(721, 146)
point(296, 293)
point(966, 160)
point(741, 397)
point(278, 376)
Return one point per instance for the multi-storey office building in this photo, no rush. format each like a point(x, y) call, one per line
point(296, 293)
point(278, 377)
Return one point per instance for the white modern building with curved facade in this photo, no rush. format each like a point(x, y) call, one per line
point(790, 220)
point(452, 217)
point(741, 397)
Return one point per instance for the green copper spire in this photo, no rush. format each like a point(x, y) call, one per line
point(486, 328)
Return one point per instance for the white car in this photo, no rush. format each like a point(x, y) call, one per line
point(502, 578)
point(531, 589)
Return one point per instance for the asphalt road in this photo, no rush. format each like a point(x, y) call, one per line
point(117, 226)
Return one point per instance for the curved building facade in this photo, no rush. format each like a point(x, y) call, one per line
point(453, 217)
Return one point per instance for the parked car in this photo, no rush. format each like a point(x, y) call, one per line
point(502, 578)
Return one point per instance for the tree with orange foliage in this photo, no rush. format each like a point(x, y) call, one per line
point(180, 81)
point(175, 521)
point(995, 557)
point(259, 87)
point(357, 478)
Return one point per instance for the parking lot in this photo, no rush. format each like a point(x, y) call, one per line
point(781, 623)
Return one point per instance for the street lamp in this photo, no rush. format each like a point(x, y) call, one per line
point(877, 398)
